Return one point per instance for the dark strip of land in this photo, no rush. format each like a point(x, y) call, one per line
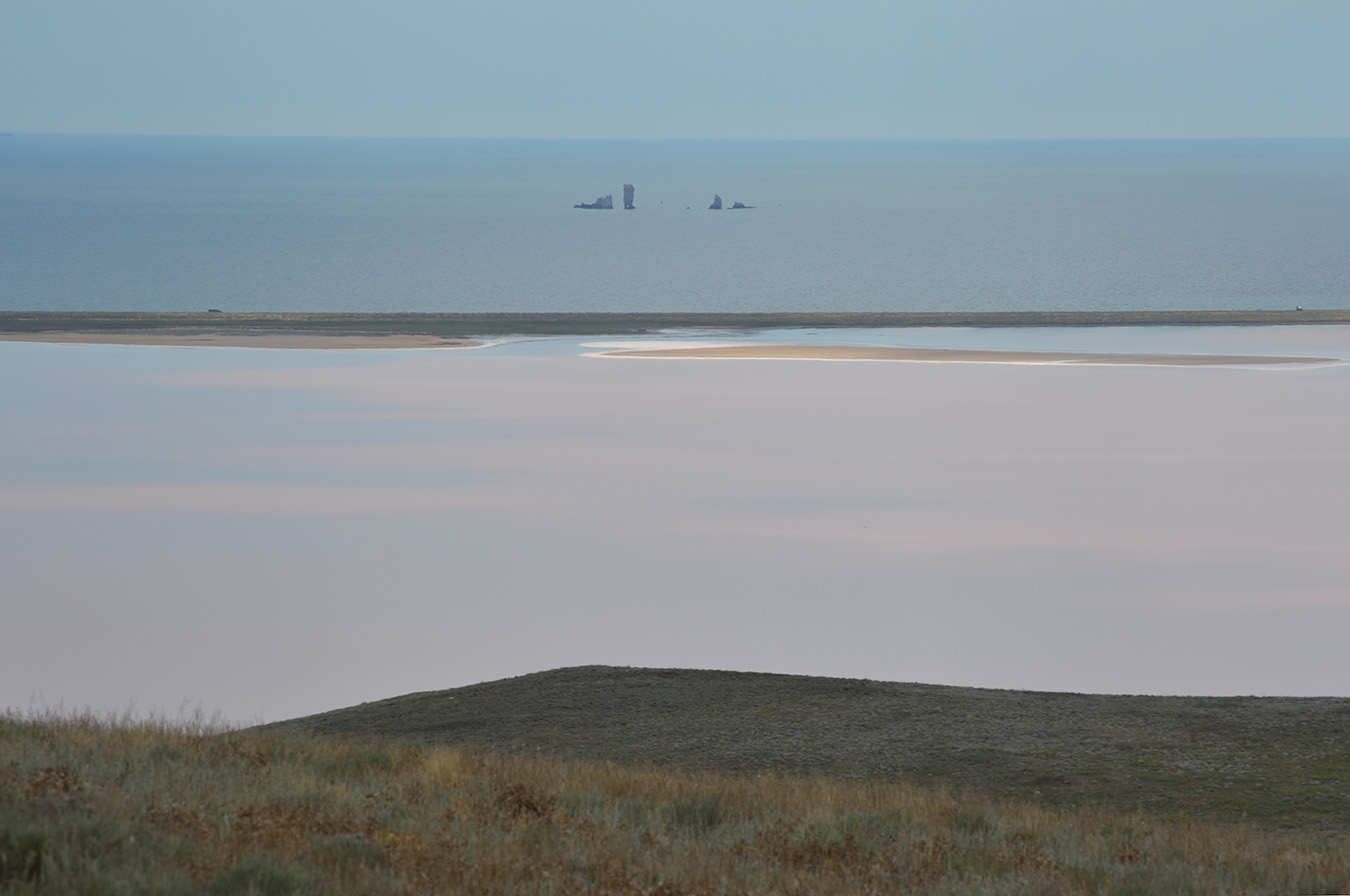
point(606, 324)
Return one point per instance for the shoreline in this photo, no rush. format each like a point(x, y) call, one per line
point(950, 355)
point(275, 339)
point(137, 328)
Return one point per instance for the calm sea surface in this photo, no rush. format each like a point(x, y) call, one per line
point(243, 224)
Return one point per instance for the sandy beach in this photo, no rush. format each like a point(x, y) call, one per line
point(230, 338)
point(878, 353)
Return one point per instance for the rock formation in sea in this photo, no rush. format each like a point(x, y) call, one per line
point(741, 205)
point(602, 202)
point(628, 196)
point(716, 203)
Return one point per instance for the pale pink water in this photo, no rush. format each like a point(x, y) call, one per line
point(271, 534)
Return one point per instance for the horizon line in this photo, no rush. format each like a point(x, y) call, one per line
point(614, 139)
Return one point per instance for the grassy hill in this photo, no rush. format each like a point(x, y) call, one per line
point(664, 782)
point(1276, 761)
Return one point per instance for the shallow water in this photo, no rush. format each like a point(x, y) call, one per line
point(271, 533)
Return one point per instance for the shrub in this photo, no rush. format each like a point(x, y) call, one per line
point(259, 876)
point(23, 849)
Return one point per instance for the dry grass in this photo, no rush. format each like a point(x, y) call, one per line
point(90, 806)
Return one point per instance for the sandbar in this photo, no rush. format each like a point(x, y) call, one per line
point(987, 356)
point(231, 338)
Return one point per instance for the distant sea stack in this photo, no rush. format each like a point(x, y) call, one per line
point(741, 205)
point(602, 202)
point(716, 203)
point(628, 196)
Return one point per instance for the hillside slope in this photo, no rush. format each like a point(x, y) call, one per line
point(1273, 760)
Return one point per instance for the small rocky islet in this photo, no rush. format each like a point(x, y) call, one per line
point(607, 201)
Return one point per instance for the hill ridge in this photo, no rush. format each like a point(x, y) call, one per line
point(1221, 753)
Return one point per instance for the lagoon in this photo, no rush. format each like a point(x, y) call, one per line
point(269, 533)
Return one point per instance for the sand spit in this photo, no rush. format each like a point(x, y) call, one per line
point(986, 356)
point(228, 338)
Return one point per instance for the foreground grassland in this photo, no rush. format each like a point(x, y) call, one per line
point(88, 806)
point(590, 324)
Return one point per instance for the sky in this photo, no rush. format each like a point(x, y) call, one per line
point(714, 69)
point(267, 534)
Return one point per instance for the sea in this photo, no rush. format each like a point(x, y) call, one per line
point(363, 225)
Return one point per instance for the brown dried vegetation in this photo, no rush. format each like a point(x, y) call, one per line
point(91, 806)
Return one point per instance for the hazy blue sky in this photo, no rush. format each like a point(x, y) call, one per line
point(698, 68)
